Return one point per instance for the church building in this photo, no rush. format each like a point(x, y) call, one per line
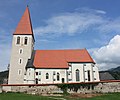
point(29, 66)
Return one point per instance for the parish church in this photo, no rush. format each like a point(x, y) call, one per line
point(29, 66)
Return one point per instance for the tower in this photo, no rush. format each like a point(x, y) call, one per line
point(22, 47)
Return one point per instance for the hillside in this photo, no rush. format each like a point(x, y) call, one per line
point(3, 75)
point(115, 72)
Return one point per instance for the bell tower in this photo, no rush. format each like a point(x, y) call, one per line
point(22, 48)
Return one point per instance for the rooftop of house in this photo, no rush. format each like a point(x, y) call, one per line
point(106, 76)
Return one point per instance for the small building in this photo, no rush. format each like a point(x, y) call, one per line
point(104, 75)
point(29, 66)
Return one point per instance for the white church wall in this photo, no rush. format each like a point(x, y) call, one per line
point(78, 66)
point(96, 73)
point(84, 68)
point(52, 76)
point(29, 77)
point(88, 67)
point(69, 73)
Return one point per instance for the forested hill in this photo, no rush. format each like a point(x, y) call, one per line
point(3, 76)
point(115, 72)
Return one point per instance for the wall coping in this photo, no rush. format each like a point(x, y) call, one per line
point(105, 81)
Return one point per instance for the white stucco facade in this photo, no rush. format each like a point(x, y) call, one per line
point(19, 56)
point(63, 75)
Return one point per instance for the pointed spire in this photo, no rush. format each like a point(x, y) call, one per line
point(24, 26)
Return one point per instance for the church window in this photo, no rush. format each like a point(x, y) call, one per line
point(70, 79)
point(58, 76)
point(77, 75)
point(94, 78)
point(18, 40)
point(88, 75)
point(26, 39)
point(39, 72)
point(36, 73)
point(47, 76)
point(25, 73)
point(53, 72)
point(36, 80)
point(84, 64)
point(92, 65)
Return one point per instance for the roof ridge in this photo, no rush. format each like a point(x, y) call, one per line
point(59, 49)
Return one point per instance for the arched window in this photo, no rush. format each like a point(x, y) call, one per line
point(47, 76)
point(18, 40)
point(26, 39)
point(58, 76)
point(77, 75)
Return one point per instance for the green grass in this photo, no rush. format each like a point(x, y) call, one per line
point(19, 96)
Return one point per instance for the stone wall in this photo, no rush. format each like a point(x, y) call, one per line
point(107, 87)
point(97, 88)
point(36, 89)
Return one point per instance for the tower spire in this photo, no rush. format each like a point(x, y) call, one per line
point(24, 26)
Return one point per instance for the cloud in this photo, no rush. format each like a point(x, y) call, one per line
point(82, 20)
point(88, 10)
point(101, 11)
point(70, 23)
point(110, 26)
point(108, 56)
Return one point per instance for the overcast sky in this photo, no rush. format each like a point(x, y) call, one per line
point(66, 24)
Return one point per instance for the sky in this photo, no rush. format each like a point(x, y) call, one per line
point(66, 24)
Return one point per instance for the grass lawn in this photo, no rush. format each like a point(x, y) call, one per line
point(19, 96)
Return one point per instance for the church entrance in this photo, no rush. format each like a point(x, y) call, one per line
point(63, 80)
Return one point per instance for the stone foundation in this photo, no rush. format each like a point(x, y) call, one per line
point(108, 87)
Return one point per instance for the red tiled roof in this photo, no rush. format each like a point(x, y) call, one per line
point(60, 58)
point(25, 25)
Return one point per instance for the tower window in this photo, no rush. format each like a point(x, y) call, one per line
point(20, 61)
point(47, 76)
point(18, 40)
point(19, 72)
point(21, 51)
point(26, 39)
